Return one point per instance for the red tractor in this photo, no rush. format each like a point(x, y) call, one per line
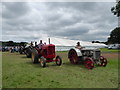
point(45, 54)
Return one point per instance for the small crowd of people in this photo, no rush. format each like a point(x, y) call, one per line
point(17, 48)
point(10, 48)
point(38, 45)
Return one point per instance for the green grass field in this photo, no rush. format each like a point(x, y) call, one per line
point(110, 50)
point(0, 70)
point(19, 72)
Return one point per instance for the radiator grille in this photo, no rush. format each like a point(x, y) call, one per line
point(51, 50)
point(97, 55)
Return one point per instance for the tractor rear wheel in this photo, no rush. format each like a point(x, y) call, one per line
point(89, 64)
point(42, 61)
point(72, 55)
point(58, 60)
point(34, 56)
point(28, 52)
point(103, 61)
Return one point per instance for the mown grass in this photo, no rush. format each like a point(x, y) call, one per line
point(0, 70)
point(19, 72)
point(110, 50)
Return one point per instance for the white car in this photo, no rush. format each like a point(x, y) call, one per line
point(114, 46)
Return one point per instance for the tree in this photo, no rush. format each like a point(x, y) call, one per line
point(10, 43)
point(114, 36)
point(23, 43)
point(116, 10)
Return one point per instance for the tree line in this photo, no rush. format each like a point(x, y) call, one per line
point(115, 34)
point(12, 43)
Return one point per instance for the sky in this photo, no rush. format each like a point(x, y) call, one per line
point(29, 21)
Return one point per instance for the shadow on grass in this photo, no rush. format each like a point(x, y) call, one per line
point(24, 57)
point(74, 65)
point(33, 64)
point(80, 65)
point(53, 64)
point(37, 65)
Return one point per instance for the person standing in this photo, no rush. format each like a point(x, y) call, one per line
point(40, 44)
point(31, 44)
point(36, 45)
point(78, 45)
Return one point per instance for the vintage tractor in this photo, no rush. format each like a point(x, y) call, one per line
point(28, 51)
point(88, 57)
point(45, 54)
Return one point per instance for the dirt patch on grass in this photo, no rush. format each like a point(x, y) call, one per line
point(111, 55)
point(107, 55)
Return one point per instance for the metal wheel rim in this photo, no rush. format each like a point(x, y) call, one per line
point(73, 57)
point(89, 64)
point(103, 62)
point(58, 61)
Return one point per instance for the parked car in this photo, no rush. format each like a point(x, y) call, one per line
point(114, 46)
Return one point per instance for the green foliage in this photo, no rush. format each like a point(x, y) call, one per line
point(11, 43)
point(114, 36)
point(116, 10)
point(99, 42)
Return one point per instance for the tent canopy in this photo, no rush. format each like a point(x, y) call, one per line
point(67, 42)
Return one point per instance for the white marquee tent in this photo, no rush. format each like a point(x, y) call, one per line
point(65, 44)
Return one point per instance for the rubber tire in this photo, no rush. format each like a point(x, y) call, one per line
point(28, 52)
point(34, 56)
point(58, 57)
point(20, 52)
point(42, 62)
point(72, 55)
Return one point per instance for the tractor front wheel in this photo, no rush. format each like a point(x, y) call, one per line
point(42, 62)
point(89, 64)
point(58, 60)
point(103, 61)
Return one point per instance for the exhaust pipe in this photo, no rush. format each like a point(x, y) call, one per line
point(49, 40)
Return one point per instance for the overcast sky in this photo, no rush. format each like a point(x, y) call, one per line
point(87, 21)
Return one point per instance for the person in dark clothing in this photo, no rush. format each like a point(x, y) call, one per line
point(36, 44)
point(78, 45)
point(40, 44)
